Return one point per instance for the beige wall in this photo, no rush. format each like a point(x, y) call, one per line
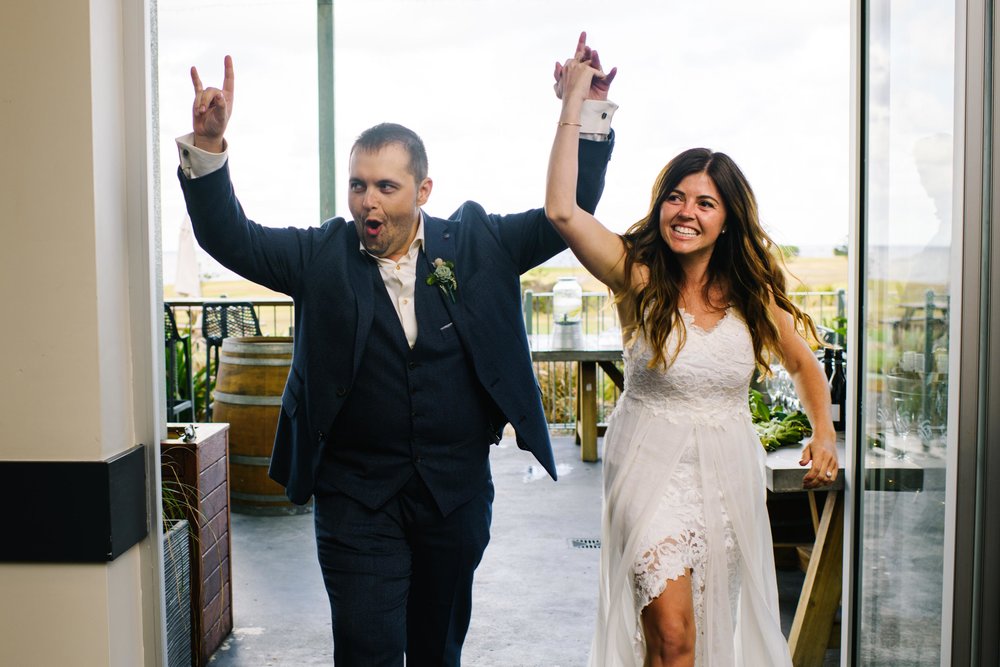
point(48, 253)
point(76, 294)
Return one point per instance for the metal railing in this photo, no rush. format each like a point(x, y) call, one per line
point(598, 315)
point(276, 317)
point(828, 310)
point(557, 380)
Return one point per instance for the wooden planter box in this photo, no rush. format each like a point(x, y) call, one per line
point(202, 468)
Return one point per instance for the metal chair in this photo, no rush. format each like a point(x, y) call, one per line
point(180, 390)
point(219, 320)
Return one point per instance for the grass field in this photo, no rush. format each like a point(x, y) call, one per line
point(804, 274)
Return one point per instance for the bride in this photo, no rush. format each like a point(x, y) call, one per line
point(687, 569)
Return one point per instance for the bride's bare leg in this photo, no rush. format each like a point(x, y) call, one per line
point(668, 625)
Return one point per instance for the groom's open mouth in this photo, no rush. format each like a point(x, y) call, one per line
point(372, 227)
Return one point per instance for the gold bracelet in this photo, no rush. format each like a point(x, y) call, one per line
point(561, 123)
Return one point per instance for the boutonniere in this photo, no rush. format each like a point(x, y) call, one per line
point(444, 277)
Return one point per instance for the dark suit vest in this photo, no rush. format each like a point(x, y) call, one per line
point(419, 410)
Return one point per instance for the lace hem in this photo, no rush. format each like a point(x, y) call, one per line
point(677, 544)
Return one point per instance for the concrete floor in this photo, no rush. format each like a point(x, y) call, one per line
point(534, 595)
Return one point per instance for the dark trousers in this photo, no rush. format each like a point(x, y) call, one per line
point(399, 578)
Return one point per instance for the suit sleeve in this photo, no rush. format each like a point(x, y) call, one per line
point(593, 159)
point(529, 237)
point(274, 258)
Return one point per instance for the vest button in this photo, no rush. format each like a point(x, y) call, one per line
point(341, 392)
point(411, 365)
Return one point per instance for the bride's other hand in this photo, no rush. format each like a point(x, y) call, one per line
point(577, 80)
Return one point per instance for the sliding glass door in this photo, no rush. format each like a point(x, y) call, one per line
point(905, 266)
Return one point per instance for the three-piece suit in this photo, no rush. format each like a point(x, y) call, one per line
point(393, 441)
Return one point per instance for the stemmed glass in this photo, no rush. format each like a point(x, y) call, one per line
point(902, 422)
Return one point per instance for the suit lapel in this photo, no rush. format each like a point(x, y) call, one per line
point(360, 273)
point(439, 243)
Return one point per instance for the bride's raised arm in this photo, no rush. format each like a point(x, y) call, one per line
point(600, 250)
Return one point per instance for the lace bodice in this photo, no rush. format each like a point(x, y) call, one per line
point(707, 381)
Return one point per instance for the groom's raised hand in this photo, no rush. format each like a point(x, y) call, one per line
point(211, 110)
point(601, 82)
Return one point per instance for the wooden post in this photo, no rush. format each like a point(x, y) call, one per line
point(586, 418)
point(324, 69)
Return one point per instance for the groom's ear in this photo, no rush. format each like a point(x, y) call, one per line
point(424, 191)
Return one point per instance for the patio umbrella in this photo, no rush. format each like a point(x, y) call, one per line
point(187, 281)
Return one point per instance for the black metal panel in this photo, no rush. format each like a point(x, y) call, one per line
point(73, 511)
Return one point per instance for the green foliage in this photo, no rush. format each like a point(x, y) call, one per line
point(776, 428)
point(204, 384)
point(840, 250)
point(759, 411)
point(557, 382)
point(840, 327)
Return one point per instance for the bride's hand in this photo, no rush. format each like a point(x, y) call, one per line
point(822, 452)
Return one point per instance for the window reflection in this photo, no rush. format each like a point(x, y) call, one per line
point(906, 259)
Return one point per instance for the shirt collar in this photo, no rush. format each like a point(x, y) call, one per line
point(417, 244)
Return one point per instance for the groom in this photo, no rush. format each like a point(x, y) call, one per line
point(410, 358)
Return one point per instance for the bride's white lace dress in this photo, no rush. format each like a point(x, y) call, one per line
point(684, 489)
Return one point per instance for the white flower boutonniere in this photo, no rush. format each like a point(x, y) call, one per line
point(444, 277)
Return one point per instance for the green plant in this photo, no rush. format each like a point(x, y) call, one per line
point(776, 428)
point(556, 381)
point(840, 327)
point(204, 386)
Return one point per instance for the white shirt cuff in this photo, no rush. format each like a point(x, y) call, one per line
point(196, 162)
point(595, 119)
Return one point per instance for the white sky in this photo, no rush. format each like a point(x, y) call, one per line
point(765, 81)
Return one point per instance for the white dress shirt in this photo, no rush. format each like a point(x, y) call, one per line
point(400, 277)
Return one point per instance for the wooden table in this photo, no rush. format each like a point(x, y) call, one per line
point(820, 596)
point(912, 309)
point(593, 351)
point(901, 466)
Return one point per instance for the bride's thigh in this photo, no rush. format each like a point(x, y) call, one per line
point(668, 624)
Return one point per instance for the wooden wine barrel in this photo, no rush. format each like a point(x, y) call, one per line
point(251, 377)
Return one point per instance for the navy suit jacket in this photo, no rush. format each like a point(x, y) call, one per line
point(323, 270)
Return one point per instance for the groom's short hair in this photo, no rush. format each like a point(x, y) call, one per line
point(375, 138)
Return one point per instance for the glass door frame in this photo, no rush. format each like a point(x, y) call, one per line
point(971, 592)
point(975, 462)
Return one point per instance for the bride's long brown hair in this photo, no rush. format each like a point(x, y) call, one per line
point(745, 264)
